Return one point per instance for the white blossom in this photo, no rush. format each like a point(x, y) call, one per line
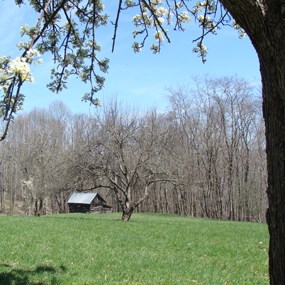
point(20, 67)
point(241, 31)
point(161, 11)
point(184, 17)
point(32, 53)
point(158, 36)
point(157, 2)
point(97, 102)
point(130, 3)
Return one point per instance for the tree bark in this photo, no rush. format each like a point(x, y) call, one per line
point(127, 213)
point(264, 22)
point(272, 67)
point(3, 208)
point(274, 114)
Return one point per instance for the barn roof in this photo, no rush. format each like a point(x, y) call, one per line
point(83, 198)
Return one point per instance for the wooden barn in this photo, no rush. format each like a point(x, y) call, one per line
point(91, 202)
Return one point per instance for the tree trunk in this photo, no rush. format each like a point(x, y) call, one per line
point(274, 114)
point(264, 23)
point(270, 48)
point(3, 208)
point(2, 190)
point(127, 213)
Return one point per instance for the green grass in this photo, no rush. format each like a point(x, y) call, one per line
point(82, 249)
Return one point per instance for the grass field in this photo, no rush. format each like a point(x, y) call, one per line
point(87, 249)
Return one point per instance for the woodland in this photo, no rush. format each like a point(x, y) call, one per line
point(204, 157)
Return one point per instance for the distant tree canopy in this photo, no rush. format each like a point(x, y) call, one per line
point(205, 157)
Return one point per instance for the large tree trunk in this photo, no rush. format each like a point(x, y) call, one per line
point(272, 66)
point(264, 22)
point(273, 72)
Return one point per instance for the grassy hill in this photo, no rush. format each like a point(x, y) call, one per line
point(82, 249)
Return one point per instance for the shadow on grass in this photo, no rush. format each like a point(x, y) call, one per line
point(14, 276)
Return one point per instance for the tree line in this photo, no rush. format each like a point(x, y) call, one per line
point(204, 156)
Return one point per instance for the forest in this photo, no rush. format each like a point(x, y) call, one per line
point(203, 157)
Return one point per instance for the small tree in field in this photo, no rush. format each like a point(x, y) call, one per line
point(124, 157)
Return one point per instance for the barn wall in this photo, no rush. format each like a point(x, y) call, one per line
point(97, 206)
point(79, 208)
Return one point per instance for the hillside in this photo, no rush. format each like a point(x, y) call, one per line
point(150, 249)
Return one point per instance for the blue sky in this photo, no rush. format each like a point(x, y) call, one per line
point(139, 80)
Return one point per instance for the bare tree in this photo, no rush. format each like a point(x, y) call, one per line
point(205, 157)
point(125, 157)
point(218, 119)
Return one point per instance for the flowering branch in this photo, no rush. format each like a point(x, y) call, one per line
point(14, 73)
point(74, 51)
